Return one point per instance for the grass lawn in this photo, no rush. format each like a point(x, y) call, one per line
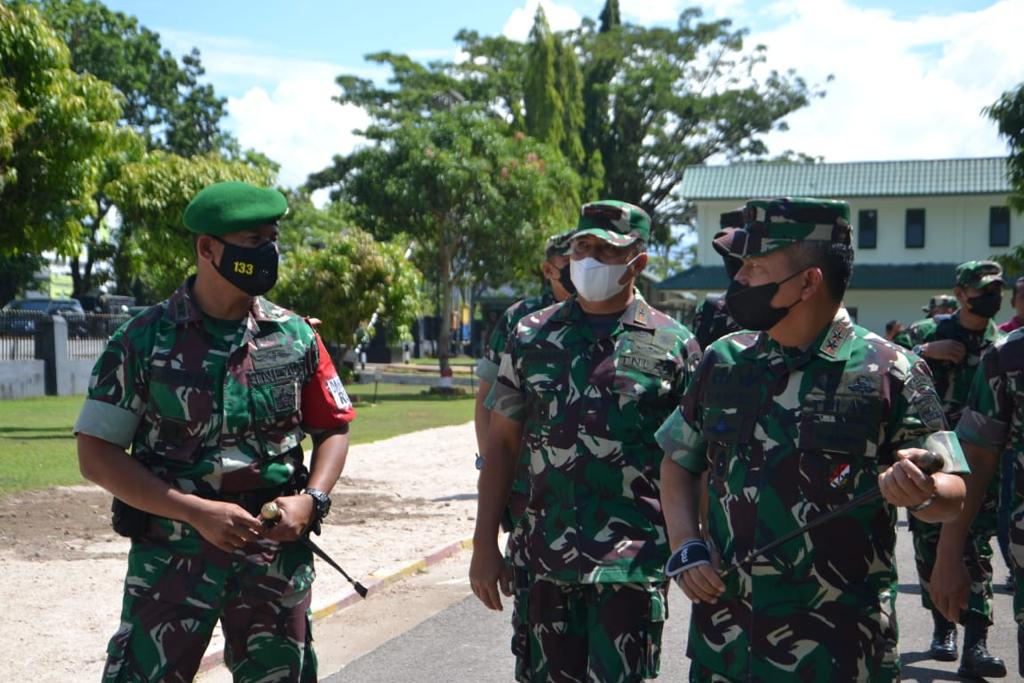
point(461, 360)
point(37, 449)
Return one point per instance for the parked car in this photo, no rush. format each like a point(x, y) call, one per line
point(21, 314)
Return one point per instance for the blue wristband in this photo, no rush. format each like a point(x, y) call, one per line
point(691, 554)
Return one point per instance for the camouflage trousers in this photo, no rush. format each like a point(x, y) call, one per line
point(587, 633)
point(977, 556)
point(178, 587)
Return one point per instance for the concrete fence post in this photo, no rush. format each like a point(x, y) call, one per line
point(52, 349)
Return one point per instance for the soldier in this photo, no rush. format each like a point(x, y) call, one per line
point(992, 423)
point(952, 345)
point(940, 304)
point(585, 382)
point(557, 287)
point(1017, 301)
point(213, 390)
point(794, 416)
point(713, 321)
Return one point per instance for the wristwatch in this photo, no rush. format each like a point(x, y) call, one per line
point(321, 504)
point(918, 350)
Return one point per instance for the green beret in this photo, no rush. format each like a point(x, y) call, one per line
point(979, 274)
point(770, 224)
point(617, 223)
point(228, 207)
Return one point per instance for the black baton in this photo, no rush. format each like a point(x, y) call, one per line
point(269, 516)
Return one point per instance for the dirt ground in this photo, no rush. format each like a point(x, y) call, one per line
point(63, 566)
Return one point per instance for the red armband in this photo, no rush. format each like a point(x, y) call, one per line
point(325, 403)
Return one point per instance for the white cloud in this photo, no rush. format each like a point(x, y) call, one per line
point(904, 88)
point(519, 23)
point(297, 124)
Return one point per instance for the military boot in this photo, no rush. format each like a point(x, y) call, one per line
point(976, 661)
point(943, 646)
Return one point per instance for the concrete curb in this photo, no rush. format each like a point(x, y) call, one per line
point(374, 583)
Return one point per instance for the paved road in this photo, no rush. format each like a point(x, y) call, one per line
point(466, 642)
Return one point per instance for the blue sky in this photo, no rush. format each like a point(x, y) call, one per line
point(910, 75)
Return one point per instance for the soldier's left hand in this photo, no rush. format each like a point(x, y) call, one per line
point(903, 484)
point(296, 514)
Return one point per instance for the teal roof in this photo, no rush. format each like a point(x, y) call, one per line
point(851, 179)
point(931, 276)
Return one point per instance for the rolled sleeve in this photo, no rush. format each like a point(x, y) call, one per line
point(980, 430)
point(682, 443)
point(487, 370)
point(114, 405)
point(108, 422)
point(507, 396)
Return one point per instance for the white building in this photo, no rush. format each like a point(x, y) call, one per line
point(913, 223)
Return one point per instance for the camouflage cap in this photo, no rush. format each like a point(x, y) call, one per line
point(979, 274)
point(558, 245)
point(617, 223)
point(939, 301)
point(231, 206)
point(770, 224)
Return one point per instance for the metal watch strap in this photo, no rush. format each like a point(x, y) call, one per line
point(321, 502)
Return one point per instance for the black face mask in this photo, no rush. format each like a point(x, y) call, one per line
point(252, 269)
point(986, 305)
point(565, 280)
point(751, 307)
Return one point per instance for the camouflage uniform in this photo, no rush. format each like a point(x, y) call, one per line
point(216, 409)
point(590, 549)
point(786, 435)
point(487, 370)
point(994, 420)
point(712, 321)
point(952, 383)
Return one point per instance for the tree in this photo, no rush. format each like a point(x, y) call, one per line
point(1008, 114)
point(56, 130)
point(164, 103)
point(661, 99)
point(541, 97)
point(16, 272)
point(151, 194)
point(347, 277)
point(477, 200)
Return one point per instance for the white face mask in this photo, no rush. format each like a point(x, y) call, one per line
point(596, 281)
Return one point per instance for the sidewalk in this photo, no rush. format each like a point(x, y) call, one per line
point(401, 504)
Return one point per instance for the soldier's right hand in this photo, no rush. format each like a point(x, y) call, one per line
point(225, 525)
point(488, 571)
point(945, 349)
point(702, 583)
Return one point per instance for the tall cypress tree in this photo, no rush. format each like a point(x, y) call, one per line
point(610, 17)
point(542, 100)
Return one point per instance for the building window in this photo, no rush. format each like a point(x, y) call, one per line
point(867, 229)
point(915, 229)
point(999, 226)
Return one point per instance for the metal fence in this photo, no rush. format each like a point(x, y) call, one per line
point(87, 334)
point(18, 334)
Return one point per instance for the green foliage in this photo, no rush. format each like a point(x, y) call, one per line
point(342, 276)
point(477, 200)
point(56, 130)
point(542, 99)
point(660, 99)
point(163, 101)
point(1008, 114)
point(16, 273)
point(156, 252)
